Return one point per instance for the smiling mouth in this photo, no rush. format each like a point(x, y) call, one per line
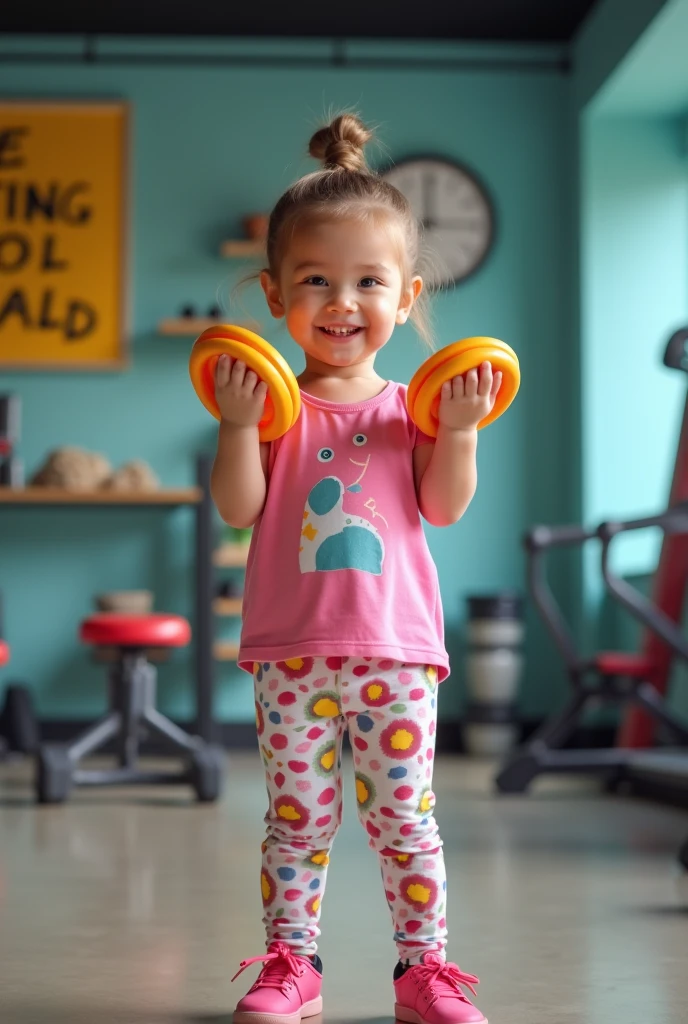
point(340, 333)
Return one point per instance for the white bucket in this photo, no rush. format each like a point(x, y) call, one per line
point(489, 740)
point(493, 664)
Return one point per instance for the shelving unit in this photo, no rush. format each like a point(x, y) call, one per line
point(212, 556)
point(242, 248)
point(228, 556)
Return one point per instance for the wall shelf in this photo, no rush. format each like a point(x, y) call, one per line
point(230, 556)
point(60, 496)
point(110, 655)
point(225, 650)
point(227, 606)
point(242, 248)
point(185, 326)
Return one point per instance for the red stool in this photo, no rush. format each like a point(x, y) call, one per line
point(4, 658)
point(132, 713)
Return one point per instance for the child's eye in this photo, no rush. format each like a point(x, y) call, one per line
point(316, 280)
point(325, 455)
point(360, 440)
point(368, 282)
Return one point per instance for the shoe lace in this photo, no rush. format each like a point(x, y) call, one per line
point(434, 973)
point(280, 966)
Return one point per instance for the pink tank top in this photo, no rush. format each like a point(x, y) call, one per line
point(339, 564)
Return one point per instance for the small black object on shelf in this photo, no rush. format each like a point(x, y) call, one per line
point(189, 311)
point(214, 313)
point(11, 467)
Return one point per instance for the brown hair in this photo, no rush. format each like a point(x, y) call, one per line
point(346, 187)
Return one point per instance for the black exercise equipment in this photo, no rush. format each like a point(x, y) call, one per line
point(637, 679)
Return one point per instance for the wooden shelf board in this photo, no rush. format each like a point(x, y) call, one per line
point(225, 650)
point(109, 655)
point(60, 496)
point(185, 326)
point(242, 248)
point(230, 556)
point(227, 606)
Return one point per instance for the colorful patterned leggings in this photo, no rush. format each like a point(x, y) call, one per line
point(303, 707)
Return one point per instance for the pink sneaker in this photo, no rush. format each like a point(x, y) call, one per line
point(430, 993)
point(286, 992)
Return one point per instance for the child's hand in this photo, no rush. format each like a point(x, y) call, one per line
point(239, 393)
point(464, 403)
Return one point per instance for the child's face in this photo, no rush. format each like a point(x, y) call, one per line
point(340, 290)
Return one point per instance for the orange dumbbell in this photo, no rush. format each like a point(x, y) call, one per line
point(423, 396)
point(283, 402)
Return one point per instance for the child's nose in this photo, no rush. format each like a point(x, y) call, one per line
point(342, 300)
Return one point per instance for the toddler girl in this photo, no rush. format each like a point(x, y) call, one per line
point(342, 624)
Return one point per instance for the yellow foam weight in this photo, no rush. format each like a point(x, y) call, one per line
point(423, 395)
point(283, 402)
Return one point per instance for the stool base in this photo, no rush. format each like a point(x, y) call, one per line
point(132, 715)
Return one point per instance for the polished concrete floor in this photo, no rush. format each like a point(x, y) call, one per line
point(134, 907)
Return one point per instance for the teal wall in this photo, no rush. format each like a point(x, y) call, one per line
point(630, 104)
point(604, 41)
point(652, 78)
point(208, 144)
point(635, 294)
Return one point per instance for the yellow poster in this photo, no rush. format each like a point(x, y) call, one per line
point(62, 235)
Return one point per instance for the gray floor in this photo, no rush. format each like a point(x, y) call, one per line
point(135, 907)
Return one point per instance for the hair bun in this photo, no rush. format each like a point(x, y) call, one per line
point(340, 143)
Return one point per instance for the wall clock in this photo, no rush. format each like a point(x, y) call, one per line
point(454, 209)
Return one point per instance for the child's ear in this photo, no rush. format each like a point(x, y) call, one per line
point(408, 297)
point(272, 294)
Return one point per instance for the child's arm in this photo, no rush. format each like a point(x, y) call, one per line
point(238, 482)
point(445, 472)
